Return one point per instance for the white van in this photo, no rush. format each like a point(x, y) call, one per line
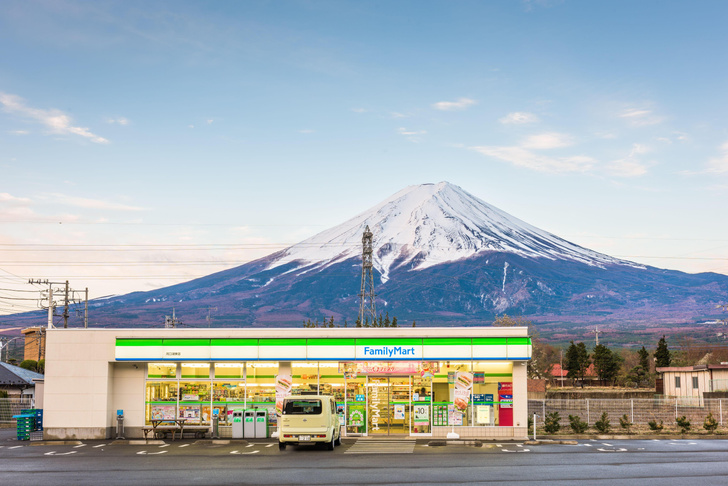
point(309, 419)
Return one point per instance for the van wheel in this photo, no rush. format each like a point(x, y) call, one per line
point(330, 445)
point(338, 440)
point(281, 446)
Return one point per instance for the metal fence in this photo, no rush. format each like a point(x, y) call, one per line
point(13, 406)
point(639, 411)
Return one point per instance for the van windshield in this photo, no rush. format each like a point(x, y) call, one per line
point(310, 406)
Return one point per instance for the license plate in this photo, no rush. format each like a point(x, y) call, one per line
point(304, 438)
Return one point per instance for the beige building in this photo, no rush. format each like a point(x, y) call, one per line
point(693, 381)
point(35, 343)
point(387, 381)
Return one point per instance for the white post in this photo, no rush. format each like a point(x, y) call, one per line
point(720, 403)
point(534, 426)
point(50, 307)
point(587, 411)
point(631, 404)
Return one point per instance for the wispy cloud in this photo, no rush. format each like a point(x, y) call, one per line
point(545, 141)
point(412, 135)
point(518, 118)
point(396, 114)
point(640, 117)
point(719, 164)
point(460, 104)
point(6, 197)
point(89, 203)
point(118, 121)
point(55, 120)
point(19, 132)
point(522, 157)
point(631, 165)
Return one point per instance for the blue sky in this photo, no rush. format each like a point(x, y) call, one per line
point(200, 135)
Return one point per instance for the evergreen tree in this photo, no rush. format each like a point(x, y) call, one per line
point(644, 359)
point(387, 322)
point(662, 354)
point(394, 321)
point(358, 322)
point(606, 363)
point(577, 361)
point(414, 324)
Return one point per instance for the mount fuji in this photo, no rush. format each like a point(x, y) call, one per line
point(441, 257)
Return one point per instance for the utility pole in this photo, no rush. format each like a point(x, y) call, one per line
point(65, 309)
point(171, 322)
point(85, 312)
point(597, 332)
point(367, 279)
point(561, 363)
point(209, 317)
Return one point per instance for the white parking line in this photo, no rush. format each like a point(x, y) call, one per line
point(270, 445)
point(79, 446)
point(53, 453)
point(184, 445)
point(145, 453)
point(163, 446)
point(250, 445)
point(14, 447)
point(100, 445)
point(234, 452)
point(608, 445)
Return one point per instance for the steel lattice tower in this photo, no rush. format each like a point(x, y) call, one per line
point(367, 309)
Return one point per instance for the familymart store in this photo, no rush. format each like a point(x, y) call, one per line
point(387, 382)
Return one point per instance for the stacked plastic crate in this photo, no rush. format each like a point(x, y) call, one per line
point(25, 424)
point(29, 424)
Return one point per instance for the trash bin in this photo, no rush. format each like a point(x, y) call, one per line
point(249, 424)
point(215, 426)
point(261, 424)
point(237, 424)
point(120, 424)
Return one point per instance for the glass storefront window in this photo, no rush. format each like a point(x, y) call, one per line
point(230, 371)
point(162, 370)
point(195, 370)
point(261, 388)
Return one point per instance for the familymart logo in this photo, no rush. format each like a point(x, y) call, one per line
point(389, 352)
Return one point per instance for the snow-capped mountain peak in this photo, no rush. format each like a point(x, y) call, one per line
point(430, 224)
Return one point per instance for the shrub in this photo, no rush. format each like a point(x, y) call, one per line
point(603, 424)
point(577, 424)
point(657, 427)
point(3, 394)
point(551, 423)
point(683, 423)
point(29, 364)
point(710, 423)
point(624, 422)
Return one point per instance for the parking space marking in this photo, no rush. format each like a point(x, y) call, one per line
point(100, 445)
point(14, 447)
point(163, 446)
point(270, 445)
point(79, 446)
point(54, 453)
point(145, 453)
point(250, 445)
point(184, 445)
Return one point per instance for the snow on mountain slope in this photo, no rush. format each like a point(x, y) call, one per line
point(429, 224)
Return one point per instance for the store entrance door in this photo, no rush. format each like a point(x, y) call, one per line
point(389, 405)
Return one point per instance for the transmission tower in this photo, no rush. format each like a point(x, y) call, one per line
point(367, 310)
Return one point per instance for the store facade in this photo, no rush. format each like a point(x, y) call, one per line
point(391, 382)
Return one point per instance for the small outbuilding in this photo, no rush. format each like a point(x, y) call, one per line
point(17, 381)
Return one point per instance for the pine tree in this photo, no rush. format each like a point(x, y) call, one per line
point(577, 361)
point(606, 363)
point(394, 321)
point(387, 322)
point(662, 354)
